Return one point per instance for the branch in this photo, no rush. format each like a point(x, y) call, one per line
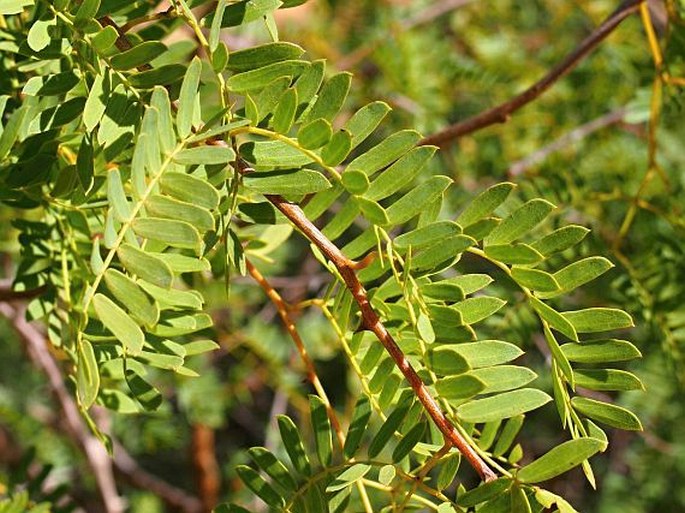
point(502, 112)
point(371, 322)
point(95, 453)
point(289, 324)
point(521, 166)
point(173, 497)
point(7, 295)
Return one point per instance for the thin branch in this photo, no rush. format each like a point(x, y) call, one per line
point(521, 166)
point(7, 295)
point(502, 112)
point(131, 471)
point(371, 321)
point(289, 324)
point(95, 453)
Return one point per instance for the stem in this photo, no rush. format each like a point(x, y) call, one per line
point(502, 112)
point(371, 322)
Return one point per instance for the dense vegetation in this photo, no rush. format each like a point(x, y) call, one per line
point(341, 256)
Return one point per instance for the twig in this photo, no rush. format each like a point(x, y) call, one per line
point(207, 474)
point(371, 322)
point(137, 476)
point(95, 453)
point(502, 112)
point(8, 295)
point(312, 376)
point(521, 166)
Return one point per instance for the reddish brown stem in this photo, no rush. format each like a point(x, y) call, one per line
point(502, 112)
point(370, 321)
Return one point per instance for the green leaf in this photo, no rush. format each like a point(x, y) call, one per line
point(475, 309)
point(386, 152)
point(578, 273)
point(485, 203)
point(85, 168)
point(447, 250)
point(204, 155)
point(87, 375)
point(270, 155)
point(601, 351)
point(331, 97)
point(205, 133)
point(293, 445)
point(293, 181)
point(418, 199)
point(448, 470)
point(39, 37)
point(558, 356)
point(517, 253)
point(129, 294)
point(169, 208)
point(555, 319)
point(117, 196)
point(51, 85)
point(200, 346)
point(179, 234)
point(348, 477)
point(561, 239)
point(323, 435)
point(535, 279)
point(503, 406)
point(261, 77)
point(503, 377)
point(162, 76)
point(606, 413)
point(520, 222)
point(463, 386)
point(119, 323)
point(355, 182)
point(443, 291)
point(308, 84)
point(147, 395)
point(519, 501)
point(190, 189)
point(358, 424)
point(104, 40)
point(509, 432)
point(14, 6)
point(187, 99)
point(400, 173)
point(431, 233)
point(387, 474)
point(337, 148)
point(284, 114)
point(386, 431)
point(260, 56)
point(145, 265)
point(315, 134)
point(409, 441)
point(86, 12)
point(560, 459)
point(246, 11)
point(373, 212)
point(138, 55)
point(486, 353)
point(273, 467)
point(365, 121)
point(261, 488)
point(97, 100)
point(173, 298)
point(446, 361)
point(184, 264)
point(607, 379)
point(484, 492)
point(592, 320)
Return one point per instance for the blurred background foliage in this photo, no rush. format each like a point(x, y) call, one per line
point(605, 144)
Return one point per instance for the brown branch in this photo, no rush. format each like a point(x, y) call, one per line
point(521, 166)
point(207, 474)
point(371, 322)
point(502, 112)
point(312, 376)
point(7, 295)
point(131, 471)
point(122, 42)
point(95, 453)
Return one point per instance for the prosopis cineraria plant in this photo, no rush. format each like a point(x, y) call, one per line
point(136, 167)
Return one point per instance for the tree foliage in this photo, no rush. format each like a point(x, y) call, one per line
point(148, 176)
